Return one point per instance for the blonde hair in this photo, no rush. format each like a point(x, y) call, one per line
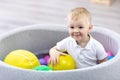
point(80, 13)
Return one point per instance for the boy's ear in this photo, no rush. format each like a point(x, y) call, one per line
point(90, 27)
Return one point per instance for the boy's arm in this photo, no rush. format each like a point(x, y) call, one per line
point(104, 60)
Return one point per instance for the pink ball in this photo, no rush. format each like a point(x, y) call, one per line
point(109, 54)
point(47, 58)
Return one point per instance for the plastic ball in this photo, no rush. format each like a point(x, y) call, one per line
point(109, 54)
point(47, 58)
point(42, 61)
point(22, 59)
point(66, 63)
point(42, 68)
point(110, 57)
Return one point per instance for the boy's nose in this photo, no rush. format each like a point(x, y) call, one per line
point(76, 30)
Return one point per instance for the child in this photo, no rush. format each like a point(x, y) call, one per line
point(85, 50)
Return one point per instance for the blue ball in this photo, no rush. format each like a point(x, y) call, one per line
point(110, 57)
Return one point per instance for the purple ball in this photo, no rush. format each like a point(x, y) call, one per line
point(42, 61)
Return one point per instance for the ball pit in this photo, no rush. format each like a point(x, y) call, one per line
point(35, 38)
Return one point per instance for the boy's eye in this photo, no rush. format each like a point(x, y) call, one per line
point(80, 27)
point(72, 27)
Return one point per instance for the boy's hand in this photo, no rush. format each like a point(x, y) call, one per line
point(54, 56)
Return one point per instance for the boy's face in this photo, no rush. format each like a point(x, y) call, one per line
point(79, 29)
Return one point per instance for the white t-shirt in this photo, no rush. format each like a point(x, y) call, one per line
point(84, 57)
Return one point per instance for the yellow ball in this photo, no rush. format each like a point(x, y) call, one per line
point(22, 58)
point(66, 63)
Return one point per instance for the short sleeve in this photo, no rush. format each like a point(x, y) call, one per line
point(101, 53)
point(62, 45)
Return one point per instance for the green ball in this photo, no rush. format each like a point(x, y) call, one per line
point(43, 68)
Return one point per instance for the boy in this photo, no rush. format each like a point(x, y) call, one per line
point(85, 50)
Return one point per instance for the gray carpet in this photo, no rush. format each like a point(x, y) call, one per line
point(20, 13)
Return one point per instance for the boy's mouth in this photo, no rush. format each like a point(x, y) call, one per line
point(77, 36)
